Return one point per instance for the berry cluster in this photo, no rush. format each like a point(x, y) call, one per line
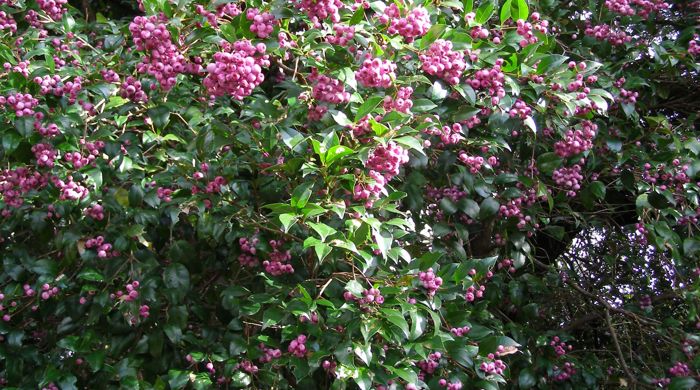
point(388, 159)
point(131, 89)
point(415, 24)
point(645, 302)
point(297, 347)
point(316, 113)
point(343, 34)
point(263, 22)
point(562, 374)
point(53, 8)
point(237, 70)
point(109, 76)
point(103, 248)
point(361, 129)
point(603, 32)
point(568, 178)
point(506, 264)
point(493, 367)
point(449, 135)
point(520, 109)
point(627, 97)
point(268, 353)
point(577, 141)
point(441, 61)
point(679, 369)
point(329, 366)
point(7, 22)
point(318, 10)
point(431, 364)
point(247, 258)
point(479, 32)
point(402, 102)
point(70, 190)
point(473, 162)
point(15, 183)
point(21, 103)
point(376, 73)
point(644, 7)
point(164, 194)
point(45, 154)
point(430, 282)
point(560, 347)
point(78, 160)
point(490, 80)
point(47, 291)
point(246, 366)
point(525, 29)
point(131, 294)
point(53, 85)
point(450, 385)
point(277, 264)
point(163, 59)
point(327, 89)
point(369, 296)
point(452, 193)
point(694, 46)
point(95, 211)
point(459, 332)
point(228, 9)
point(474, 293)
point(22, 67)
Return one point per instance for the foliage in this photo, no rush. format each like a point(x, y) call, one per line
point(319, 194)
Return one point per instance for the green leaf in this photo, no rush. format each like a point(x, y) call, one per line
point(90, 274)
point(240, 378)
point(597, 189)
point(364, 352)
point(523, 10)
point(548, 162)
point(340, 118)
point(526, 379)
point(288, 220)
point(550, 62)
point(432, 35)
point(505, 11)
point(301, 194)
point(658, 201)
point(485, 11)
point(411, 142)
point(395, 317)
point(357, 16)
point(423, 105)
point(160, 116)
point(367, 107)
point(176, 277)
point(378, 128)
point(25, 126)
point(469, 207)
point(488, 208)
point(322, 229)
point(322, 250)
point(178, 379)
point(418, 324)
point(437, 91)
point(272, 316)
point(336, 153)
point(682, 383)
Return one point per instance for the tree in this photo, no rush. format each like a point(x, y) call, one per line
point(318, 194)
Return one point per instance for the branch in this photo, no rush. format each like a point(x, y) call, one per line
point(621, 357)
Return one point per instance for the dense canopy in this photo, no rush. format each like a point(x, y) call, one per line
point(349, 194)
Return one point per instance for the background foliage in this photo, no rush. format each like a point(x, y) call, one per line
point(147, 238)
